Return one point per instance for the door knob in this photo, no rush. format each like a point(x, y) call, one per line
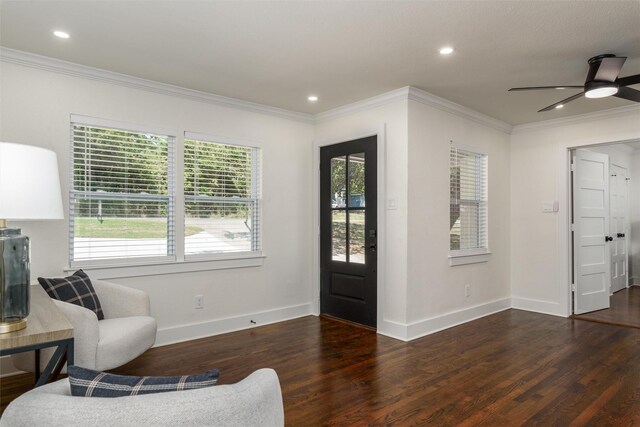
point(621, 235)
point(608, 238)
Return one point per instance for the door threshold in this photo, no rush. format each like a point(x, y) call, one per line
point(348, 322)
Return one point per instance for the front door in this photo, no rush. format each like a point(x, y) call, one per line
point(619, 210)
point(348, 231)
point(591, 239)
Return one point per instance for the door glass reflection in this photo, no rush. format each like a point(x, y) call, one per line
point(339, 235)
point(338, 182)
point(356, 236)
point(356, 180)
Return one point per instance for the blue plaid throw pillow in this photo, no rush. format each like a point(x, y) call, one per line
point(75, 289)
point(90, 383)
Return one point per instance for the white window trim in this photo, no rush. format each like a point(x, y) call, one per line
point(110, 269)
point(479, 255)
point(464, 258)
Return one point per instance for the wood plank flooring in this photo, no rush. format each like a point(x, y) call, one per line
point(624, 310)
point(511, 368)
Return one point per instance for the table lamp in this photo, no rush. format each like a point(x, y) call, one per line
point(29, 190)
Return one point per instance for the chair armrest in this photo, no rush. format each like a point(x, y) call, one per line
point(254, 401)
point(86, 333)
point(121, 301)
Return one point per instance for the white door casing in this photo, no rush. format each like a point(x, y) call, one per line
point(619, 227)
point(592, 260)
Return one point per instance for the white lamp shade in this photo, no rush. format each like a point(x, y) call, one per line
point(29, 183)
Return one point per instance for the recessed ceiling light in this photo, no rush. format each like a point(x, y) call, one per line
point(312, 98)
point(61, 34)
point(559, 106)
point(446, 50)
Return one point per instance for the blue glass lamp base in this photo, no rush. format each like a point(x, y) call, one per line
point(14, 279)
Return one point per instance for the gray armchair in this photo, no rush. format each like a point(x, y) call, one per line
point(254, 401)
point(126, 331)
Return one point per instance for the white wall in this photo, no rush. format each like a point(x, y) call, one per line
point(392, 117)
point(539, 172)
point(634, 219)
point(436, 289)
point(422, 292)
point(35, 109)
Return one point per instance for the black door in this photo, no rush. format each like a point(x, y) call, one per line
point(348, 231)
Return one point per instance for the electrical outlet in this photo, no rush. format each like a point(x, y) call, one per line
point(199, 302)
point(467, 290)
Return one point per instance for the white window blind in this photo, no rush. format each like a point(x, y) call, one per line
point(121, 197)
point(468, 205)
point(221, 198)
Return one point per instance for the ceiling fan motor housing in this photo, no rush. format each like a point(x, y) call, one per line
point(594, 65)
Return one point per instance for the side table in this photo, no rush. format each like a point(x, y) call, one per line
point(46, 327)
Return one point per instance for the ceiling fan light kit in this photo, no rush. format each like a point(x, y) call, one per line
point(600, 89)
point(602, 81)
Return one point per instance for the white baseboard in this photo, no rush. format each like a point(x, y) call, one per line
point(538, 306)
point(205, 329)
point(393, 330)
point(194, 331)
point(634, 281)
point(411, 331)
point(455, 318)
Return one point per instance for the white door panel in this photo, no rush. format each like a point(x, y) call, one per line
point(619, 227)
point(592, 258)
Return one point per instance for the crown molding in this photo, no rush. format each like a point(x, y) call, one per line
point(582, 118)
point(426, 98)
point(365, 104)
point(45, 63)
point(418, 95)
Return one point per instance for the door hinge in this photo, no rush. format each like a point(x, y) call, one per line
point(573, 287)
point(573, 227)
point(573, 167)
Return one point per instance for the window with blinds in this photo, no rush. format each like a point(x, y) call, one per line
point(468, 202)
point(221, 198)
point(121, 196)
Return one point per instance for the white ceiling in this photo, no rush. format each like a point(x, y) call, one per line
point(277, 52)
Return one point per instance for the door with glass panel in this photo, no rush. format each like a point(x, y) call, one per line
point(348, 231)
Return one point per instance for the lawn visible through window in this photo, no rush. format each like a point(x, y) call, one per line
point(120, 201)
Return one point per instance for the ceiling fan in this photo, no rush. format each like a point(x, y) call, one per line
point(602, 80)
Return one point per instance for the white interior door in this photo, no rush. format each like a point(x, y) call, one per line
point(591, 245)
point(619, 227)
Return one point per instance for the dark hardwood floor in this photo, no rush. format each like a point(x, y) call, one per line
point(510, 368)
point(624, 309)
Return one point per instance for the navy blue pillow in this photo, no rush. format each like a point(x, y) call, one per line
point(90, 383)
point(75, 289)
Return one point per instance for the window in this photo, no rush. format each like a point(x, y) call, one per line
point(468, 203)
point(125, 200)
point(221, 197)
point(121, 196)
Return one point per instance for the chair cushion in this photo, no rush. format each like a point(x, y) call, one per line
point(75, 289)
point(90, 383)
point(123, 339)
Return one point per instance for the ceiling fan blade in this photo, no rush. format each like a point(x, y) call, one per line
point(628, 93)
point(629, 80)
point(564, 101)
point(608, 68)
point(545, 87)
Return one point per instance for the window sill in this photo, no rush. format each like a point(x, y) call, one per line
point(459, 259)
point(173, 267)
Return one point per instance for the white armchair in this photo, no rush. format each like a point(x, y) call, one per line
point(126, 331)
